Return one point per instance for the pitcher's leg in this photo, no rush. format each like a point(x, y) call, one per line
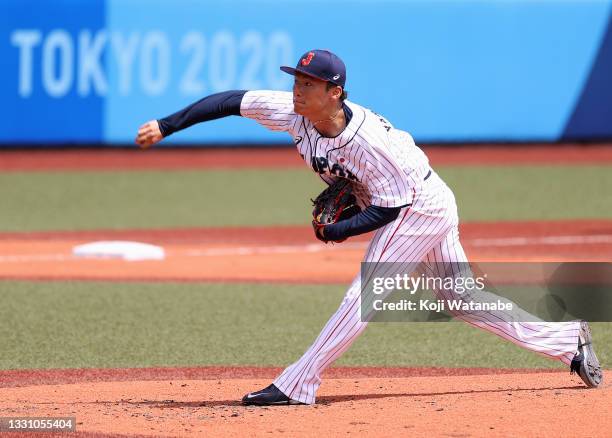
point(301, 380)
point(556, 340)
point(406, 240)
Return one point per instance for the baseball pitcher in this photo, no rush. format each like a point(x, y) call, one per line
point(394, 191)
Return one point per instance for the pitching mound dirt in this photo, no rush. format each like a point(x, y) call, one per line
point(544, 404)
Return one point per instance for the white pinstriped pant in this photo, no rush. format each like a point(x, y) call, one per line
point(425, 233)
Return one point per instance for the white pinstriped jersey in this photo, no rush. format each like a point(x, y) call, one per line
point(384, 162)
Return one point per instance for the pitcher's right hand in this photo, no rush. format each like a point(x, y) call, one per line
point(149, 134)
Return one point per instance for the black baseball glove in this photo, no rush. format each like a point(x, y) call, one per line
point(336, 203)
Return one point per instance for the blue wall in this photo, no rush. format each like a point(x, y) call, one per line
point(92, 71)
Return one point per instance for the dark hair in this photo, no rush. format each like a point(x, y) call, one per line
point(344, 93)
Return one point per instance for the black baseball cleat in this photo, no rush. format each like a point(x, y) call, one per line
point(585, 363)
point(269, 396)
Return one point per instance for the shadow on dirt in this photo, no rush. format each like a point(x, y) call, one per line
point(331, 399)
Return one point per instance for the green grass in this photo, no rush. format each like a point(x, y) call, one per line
point(96, 324)
point(152, 199)
point(531, 192)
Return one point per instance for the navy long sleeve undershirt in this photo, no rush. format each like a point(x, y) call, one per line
point(370, 219)
point(211, 107)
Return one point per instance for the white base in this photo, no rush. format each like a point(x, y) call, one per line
point(130, 251)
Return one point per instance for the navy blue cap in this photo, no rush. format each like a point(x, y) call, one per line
point(321, 64)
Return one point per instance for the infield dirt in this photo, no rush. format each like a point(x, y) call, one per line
point(499, 404)
point(261, 254)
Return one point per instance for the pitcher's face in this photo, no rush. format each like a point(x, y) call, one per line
point(311, 96)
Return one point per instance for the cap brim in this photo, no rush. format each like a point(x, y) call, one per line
point(292, 71)
point(289, 70)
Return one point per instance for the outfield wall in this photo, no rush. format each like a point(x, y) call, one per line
point(447, 71)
